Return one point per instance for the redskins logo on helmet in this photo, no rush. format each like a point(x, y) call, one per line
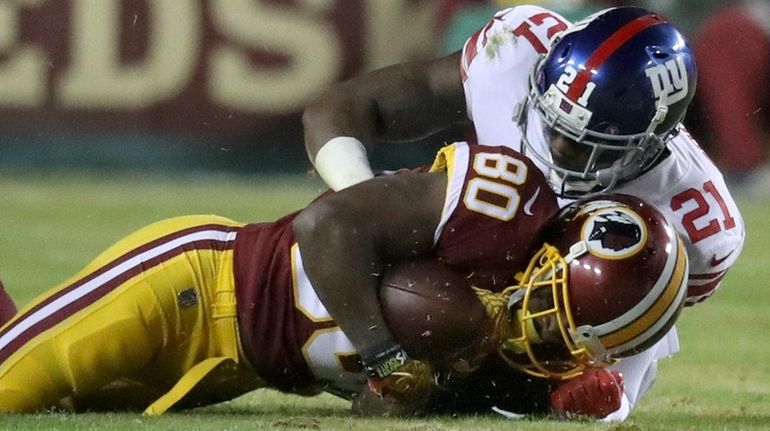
point(609, 282)
point(614, 233)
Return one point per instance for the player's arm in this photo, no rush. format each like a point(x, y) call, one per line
point(400, 102)
point(347, 239)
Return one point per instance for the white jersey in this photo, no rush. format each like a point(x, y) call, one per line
point(686, 187)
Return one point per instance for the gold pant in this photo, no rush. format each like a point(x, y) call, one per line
point(154, 314)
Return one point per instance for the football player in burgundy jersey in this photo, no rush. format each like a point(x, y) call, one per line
point(597, 105)
point(199, 309)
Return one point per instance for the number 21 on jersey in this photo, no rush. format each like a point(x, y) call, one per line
point(696, 220)
point(494, 191)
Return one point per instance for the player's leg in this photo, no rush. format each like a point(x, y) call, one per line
point(202, 358)
point(201, 361)
point(114, 318)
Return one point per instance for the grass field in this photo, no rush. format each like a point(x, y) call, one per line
point(52, 225)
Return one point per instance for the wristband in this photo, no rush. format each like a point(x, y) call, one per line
point(342, 163)
point(384, 362)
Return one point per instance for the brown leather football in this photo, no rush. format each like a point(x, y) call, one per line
point(432, 310)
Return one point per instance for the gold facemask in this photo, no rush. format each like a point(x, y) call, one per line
point(519, 343)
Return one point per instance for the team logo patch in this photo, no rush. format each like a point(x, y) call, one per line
point(669, 80)
point(614, 233)
point(187, 298)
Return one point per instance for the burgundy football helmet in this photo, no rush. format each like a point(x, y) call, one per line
point(613, 273)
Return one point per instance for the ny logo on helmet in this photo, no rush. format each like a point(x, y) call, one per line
point(669, 80)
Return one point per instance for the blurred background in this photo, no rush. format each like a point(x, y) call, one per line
point(118, 113)
point(218, 85)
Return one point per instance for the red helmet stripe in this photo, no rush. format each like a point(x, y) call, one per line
point(606, 49)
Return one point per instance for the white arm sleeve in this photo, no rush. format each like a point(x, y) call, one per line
point(342, 162)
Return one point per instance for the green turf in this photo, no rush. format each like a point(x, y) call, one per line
point(52, 225)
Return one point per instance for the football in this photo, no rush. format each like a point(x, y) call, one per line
point(432, 311)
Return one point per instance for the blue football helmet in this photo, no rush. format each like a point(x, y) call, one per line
point(606, 98)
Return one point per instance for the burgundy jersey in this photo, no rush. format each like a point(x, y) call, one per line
point(286, 332)
point(495, 204)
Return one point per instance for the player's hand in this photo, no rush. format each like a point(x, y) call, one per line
point(411, 383)
point(595, 394)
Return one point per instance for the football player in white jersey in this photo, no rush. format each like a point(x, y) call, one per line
point(597, 105)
